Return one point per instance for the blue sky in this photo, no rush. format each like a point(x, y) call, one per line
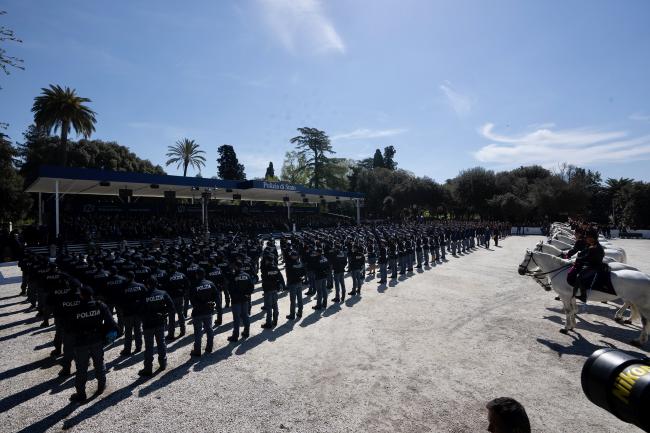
point(451, 84)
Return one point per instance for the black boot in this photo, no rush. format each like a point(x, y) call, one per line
point(78, 397)
point(583, 296)
point(145, 372)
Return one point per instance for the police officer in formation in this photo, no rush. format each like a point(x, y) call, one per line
point(240, 289)
point(295, 270)
point(272, 283)
point(132, 298)
point(152, 290)
point(203, 296)
point(156, 307)
point(91, 322)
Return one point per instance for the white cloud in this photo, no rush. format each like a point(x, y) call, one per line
point(363, 133)
point(546, 147)
point(460, 103)
point(301, 24)
point(640, 116)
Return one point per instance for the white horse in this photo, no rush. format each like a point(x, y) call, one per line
point(570, 239)
point(613, 266)
point(631, 286)
point(554, 248)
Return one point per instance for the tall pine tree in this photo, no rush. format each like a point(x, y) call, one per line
point(229, 167)
point(389, 158)
point(270, 172)
point(378, 160)
point(314, 144)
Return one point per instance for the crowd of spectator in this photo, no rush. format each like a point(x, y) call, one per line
point(95, 227)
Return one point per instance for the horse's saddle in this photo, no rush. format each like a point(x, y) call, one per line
point(597, 279)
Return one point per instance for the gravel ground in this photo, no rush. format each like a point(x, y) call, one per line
point(424, 355)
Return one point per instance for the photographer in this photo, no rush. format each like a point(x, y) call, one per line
point(507, 415)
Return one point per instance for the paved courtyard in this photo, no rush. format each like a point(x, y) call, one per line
point(424, 355)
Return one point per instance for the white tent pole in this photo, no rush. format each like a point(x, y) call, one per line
point(203, 210)
point(206, 222)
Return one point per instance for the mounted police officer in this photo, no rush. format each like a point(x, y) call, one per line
point(587, 265)
point(579, 245)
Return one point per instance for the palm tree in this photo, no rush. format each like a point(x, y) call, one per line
point(185, 153)
point(615, 189)
point(61, 108)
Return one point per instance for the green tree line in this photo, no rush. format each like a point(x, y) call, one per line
point(523, 194)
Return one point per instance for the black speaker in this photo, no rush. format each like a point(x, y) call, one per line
point(305, 200)
point(236, 196)
point(104, 183)
point(285, 199)
point(170, 195)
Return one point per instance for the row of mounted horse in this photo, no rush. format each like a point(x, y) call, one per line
point(545, 264)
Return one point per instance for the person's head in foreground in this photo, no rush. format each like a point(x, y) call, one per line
point(507, 415)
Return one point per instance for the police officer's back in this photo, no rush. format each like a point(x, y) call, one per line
point(157, 305)
point(91, 322)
